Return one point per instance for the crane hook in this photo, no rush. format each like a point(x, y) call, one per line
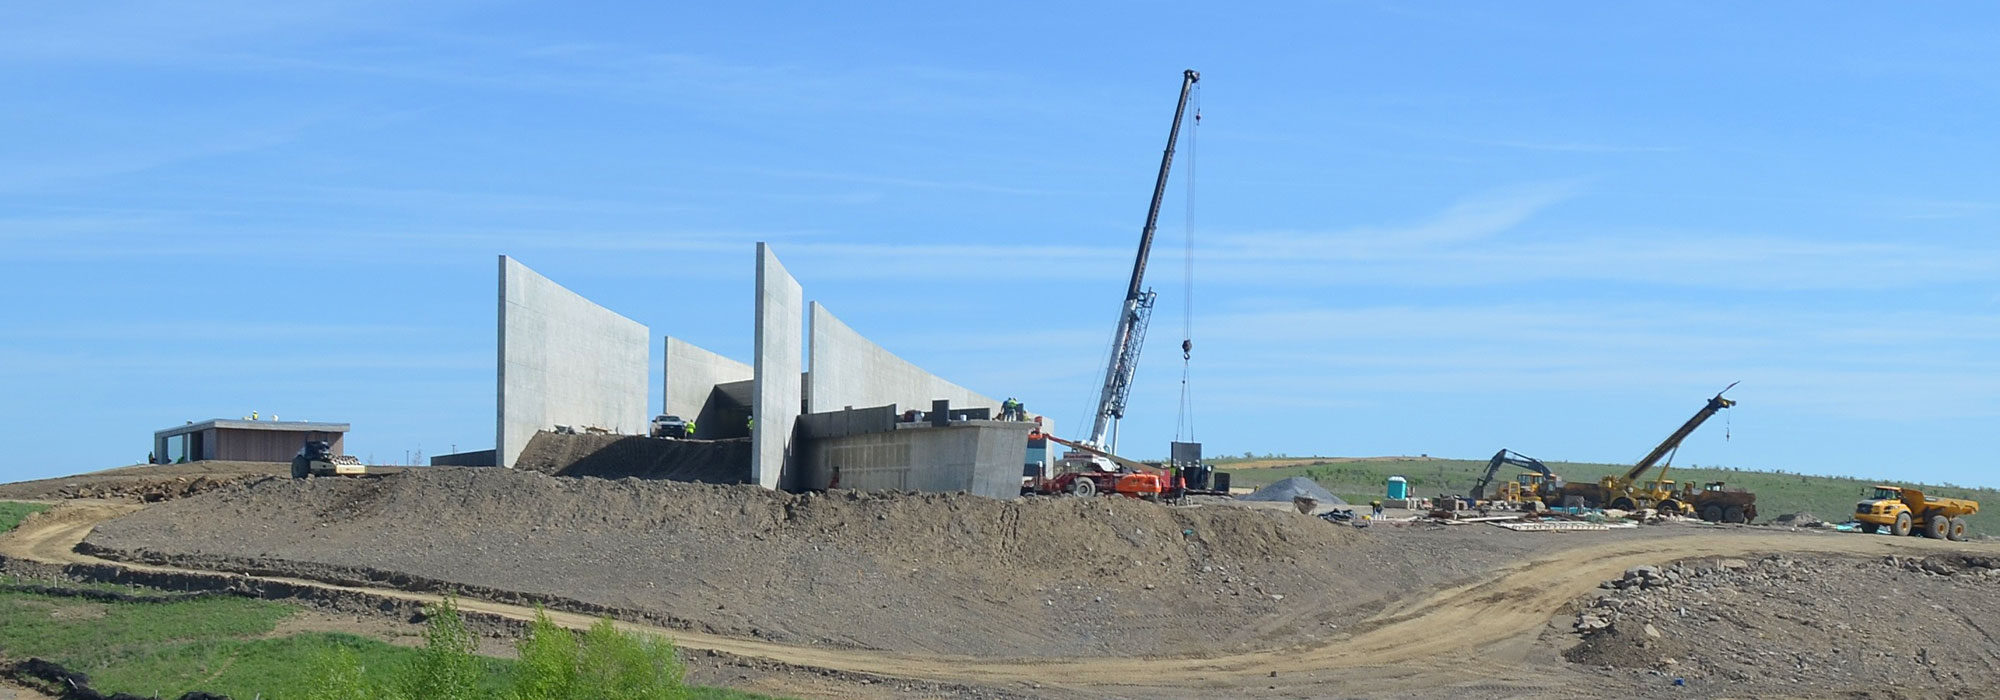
point(1187, 349)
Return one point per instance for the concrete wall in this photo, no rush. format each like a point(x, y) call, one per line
point(692, 375)
point(475, 458)
point(850, 370)
point(564, 361)
point(780, 346)
point(981, 457)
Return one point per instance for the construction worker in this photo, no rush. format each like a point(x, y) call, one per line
point(1377, 505)
point(688, 429)
point(751, 424)
point(1010, 409)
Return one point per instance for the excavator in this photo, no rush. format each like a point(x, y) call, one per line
point(1626, 492)
point(1527, 488)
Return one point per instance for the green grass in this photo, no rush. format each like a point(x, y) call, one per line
point(219, 645)
point(13, 512)
point(1830, 498)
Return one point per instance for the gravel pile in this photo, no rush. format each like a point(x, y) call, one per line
point(1789, 626)
point(1289, 488)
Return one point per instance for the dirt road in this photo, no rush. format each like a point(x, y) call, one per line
point(1476, 635)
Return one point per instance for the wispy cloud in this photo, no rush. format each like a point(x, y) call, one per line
point(1581, 147)
point(1470, 219)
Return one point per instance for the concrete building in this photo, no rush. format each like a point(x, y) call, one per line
point(564, 361)
point(567, 361)
point(242, 440)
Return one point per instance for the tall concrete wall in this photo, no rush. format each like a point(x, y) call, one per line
point(692, 375)
point(780, 347)
point(983, 457)
point(850, 370)
point(564, 361)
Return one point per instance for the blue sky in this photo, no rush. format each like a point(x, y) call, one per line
point(1552, 227)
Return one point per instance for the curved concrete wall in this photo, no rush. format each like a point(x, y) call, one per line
point(692, 375)
point(780, 346)
point(564, 361)
point(849, 370)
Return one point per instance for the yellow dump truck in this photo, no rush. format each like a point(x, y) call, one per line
point(1908, 511)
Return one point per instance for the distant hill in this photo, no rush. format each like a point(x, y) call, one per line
point(1359, 480)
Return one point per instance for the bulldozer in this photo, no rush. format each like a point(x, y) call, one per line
point(1907, 511)
point(316, 458)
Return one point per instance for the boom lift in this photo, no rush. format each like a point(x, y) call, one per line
point(1527, 487)
point(1133, 317)
point(1626, 492)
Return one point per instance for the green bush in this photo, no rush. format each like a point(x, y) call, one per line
point(445, 669)
point(605, 662)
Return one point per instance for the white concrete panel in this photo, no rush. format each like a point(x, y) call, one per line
point(849, 370)
point(780, 351)
point(691, 375)
point(564, 361)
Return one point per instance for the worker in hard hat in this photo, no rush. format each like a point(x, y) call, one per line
point(1010, 409)
point(687, 429)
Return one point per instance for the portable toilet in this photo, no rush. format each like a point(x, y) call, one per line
point(1399, 488)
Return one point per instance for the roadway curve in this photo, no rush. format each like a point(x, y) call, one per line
point(1479, 633)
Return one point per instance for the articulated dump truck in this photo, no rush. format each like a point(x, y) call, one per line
point(1907, 511)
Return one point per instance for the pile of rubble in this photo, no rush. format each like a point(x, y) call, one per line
point(152, 490)
point(1834, 624)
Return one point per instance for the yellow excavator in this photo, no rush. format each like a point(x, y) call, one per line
point(1627, 492)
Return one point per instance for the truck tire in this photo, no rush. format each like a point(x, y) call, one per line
point(1957, 532)
point(299, 469)
point(1734, 515)
point(1083, 488)
point(1712, 514)
point(1937, 527)
point(1902, 526)
point(1624, 504)
point(1870, 528)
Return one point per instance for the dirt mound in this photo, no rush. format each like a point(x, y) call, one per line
point(1791, 626)
point(620, 456)
point(923, 572)
point(1292, 487)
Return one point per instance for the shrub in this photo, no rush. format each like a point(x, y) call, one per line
point(605, 662)
point(445, 668)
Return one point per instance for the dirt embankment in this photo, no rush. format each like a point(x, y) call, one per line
point(620, 456)
point(945, 573)
point(1790, 625)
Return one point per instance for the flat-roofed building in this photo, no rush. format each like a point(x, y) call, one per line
point(243, 440)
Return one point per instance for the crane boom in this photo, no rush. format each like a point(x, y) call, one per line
point(1715, 405)
point(1137, 309)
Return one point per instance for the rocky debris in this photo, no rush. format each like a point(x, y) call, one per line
point(152, 490)
point(1784, 624)
point(1800, 519)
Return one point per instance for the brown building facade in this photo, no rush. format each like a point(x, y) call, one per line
point(243, 440)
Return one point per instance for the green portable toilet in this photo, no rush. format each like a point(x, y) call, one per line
point(1399, 488)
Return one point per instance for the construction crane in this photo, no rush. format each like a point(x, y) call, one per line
point(1137, 309)
point(1506, 456)
point(1626, 492)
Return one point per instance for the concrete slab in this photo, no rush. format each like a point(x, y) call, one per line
point(982, 457)
point(564, 361)
point(780, 349)
point(847, 369)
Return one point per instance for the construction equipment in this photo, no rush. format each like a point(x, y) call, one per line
point(316, 458)
point(1527, 487)
point(1715, 504)
point(1133, 316)
point(1908, 511)
point(1086, 477)
point(1626, 492)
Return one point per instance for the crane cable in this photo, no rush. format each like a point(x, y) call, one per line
point(1184, 424)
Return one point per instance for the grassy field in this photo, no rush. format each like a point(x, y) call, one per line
point(1359, 480)
point(12, 512)
point(219, 645)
